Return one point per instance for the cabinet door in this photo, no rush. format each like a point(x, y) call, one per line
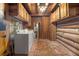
point(54, 16)
point(73, 9)
point(3, 42)
point(24, 14)
point(20, 10)
point(57, 16)
point(29, 23)
point(63, 10)
point(13, 9)
point(27, 17)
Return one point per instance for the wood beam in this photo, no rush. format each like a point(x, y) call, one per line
point(40, 15)
point(31, 7)
point(50, 7)
point(26, 7)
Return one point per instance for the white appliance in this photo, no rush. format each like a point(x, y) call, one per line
point(23, 41)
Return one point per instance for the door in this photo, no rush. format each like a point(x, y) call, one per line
point(44, 25)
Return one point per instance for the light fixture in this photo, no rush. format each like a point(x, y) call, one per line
point(42, 7)
point(46, 4)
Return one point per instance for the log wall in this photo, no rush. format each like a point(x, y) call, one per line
point(69, 38)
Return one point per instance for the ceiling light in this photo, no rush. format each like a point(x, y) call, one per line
point(42, 6)
point(46, 4)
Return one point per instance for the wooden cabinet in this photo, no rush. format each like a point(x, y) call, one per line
point(54, 16)
point(3, 42)
point(57, 16)
point(13, 9)
point(28, 18)
point(59, 13)
point(69, 10)
point(23, 13)
point(73, 9)
point(18, 10)
point(65, 10)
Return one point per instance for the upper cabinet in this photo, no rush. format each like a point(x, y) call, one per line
point(73, 9)
point(57, 13)
point(54, 16)
point(18, 10)
point(69, 10)
point(65, 10)
point(22, 12)
point(12, 9)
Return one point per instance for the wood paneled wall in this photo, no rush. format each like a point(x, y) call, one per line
point(52, 31)
point(44, 26)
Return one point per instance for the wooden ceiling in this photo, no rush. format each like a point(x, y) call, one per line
point(50, 7)
point(33, 10)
